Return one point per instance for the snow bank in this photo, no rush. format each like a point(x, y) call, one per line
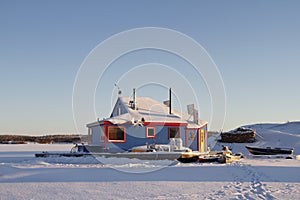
point(274, 135)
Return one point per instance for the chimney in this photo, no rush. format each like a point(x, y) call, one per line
point(134, 99)
point(170, 101)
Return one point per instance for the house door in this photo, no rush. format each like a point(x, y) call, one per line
point(202, 136)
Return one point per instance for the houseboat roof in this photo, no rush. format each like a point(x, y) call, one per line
point(148, 111)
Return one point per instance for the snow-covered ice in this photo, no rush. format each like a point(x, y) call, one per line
point(22, 176)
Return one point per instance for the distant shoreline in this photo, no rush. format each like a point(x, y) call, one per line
point(47, 139)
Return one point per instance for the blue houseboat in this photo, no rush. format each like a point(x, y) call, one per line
point(139, 121)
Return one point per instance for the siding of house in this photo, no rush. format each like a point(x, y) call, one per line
point(192, 139)
point(97, 135)
point(136, 136)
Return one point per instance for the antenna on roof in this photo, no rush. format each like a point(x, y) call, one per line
point(170, 101)
point(119, 89)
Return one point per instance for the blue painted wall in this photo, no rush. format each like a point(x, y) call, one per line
point(136, 136)
point(192, 138)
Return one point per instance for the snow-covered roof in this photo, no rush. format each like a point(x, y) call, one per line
point(151, 111)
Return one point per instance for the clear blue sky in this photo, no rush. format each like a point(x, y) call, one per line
point(255, 44)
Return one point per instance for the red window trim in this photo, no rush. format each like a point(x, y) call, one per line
point(147, 136)
point(116, 141)
point(179, 135)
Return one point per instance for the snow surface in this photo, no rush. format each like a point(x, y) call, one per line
point(22, 176)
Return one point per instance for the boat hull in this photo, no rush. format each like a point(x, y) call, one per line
point(180, 156)
point(269, 151)
point(204, 159)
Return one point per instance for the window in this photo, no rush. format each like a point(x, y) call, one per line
point(151, 133)
point(174, 133)
point(116, 134)
point(119, 111)
point(90, 133)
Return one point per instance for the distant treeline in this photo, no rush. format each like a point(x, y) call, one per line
point(47, 139)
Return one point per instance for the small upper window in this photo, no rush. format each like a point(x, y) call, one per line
point(151, 133)
point(90, 133)
point(119, 111)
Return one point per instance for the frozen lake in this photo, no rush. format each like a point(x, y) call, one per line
point(23, 176)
